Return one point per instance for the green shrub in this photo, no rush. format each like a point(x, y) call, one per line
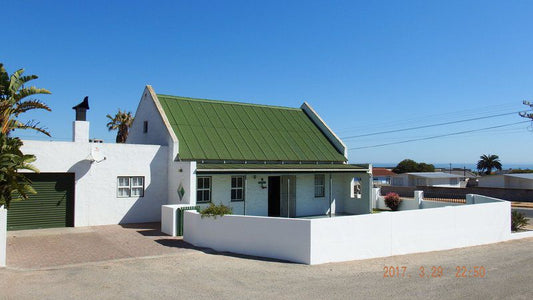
point(518, 221)
point(215, 210)
point(392, 200)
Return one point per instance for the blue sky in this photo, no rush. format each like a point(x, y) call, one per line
point(365, 66)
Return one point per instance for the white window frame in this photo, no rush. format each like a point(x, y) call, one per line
point(237, 188)
point(129, 187)
point(198, 189)
point(321, 187)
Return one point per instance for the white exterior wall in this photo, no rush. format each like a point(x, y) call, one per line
point(316, 241)
point(256, 198)
point(96, 201)
point(403, 177)
point(442, 182)
point(3, 236)
point(496, 181)
point(518, 183)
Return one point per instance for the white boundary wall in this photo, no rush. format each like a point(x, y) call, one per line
point(280, 238)
point(3, 236)
point(316, 241)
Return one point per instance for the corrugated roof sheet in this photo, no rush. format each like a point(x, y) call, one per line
point(521, 175)
point(434, 175)
point(221, 130)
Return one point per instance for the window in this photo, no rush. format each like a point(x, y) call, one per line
point(320, 185)
point(130, 186)
point(203, 189)
point(420, 181)
point(237, 188)
point(397, 181)
point(145, 127)
point(454, 181)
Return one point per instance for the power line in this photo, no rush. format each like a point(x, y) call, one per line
point(472, 112)
point(437, 136)
point(430, 125)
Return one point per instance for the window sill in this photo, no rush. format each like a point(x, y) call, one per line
point(237, 200)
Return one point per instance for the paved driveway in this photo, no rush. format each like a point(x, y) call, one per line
point(199, 275)
point(45, 248)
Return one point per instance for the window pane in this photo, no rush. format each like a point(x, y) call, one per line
point(136, 191)
point(199, 196)
point(200, 183)
point(233, 194)
point(239, 194)
point(123, 192)
point(207, 182)
point(137, 181)
point(233, 182)
point(124, 181)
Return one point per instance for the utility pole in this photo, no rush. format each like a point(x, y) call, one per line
point(450, 168)
point(525, 114)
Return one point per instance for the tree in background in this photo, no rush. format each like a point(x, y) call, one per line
point(488, 162)
point(13, 103)
point(409, 165)
point(121, 121)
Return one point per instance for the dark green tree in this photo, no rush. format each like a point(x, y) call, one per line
point(13, 184)
point(121, 121)
point(14, 94)
point(409, 165)
point(487, 162)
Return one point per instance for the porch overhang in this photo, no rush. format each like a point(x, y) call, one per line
point(281, 168)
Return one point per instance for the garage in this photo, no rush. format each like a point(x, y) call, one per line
point(52, 206)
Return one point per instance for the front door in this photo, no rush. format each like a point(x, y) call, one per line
point(274, 193)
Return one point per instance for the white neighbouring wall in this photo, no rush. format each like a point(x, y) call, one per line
point(3, 236)
point(317, 241)
point(96, 201)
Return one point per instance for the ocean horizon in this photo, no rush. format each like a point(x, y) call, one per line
point(468, 166)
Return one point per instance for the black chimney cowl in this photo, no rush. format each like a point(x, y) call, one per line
point(81, 109)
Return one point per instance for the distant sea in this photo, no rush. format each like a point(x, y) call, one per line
point(459, 165)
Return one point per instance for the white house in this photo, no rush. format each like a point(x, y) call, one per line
point(258, 159)
point(508, 181)
point(426, 179)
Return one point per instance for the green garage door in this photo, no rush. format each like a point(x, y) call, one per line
point(52, 206)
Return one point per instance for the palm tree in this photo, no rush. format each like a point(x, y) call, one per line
point(12, 101)
point(12, 183)
point(489, 162)
point(121, 121)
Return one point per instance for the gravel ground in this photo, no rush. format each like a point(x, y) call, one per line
point(205, 275)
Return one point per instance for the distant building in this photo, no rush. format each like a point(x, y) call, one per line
point(508, 181)
point(382, 176)
point(440, 179)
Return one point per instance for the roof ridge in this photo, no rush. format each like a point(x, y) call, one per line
point(229, 102)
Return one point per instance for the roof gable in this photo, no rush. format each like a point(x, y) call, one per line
point(234, 131)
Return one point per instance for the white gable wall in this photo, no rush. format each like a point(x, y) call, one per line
point(157, 131)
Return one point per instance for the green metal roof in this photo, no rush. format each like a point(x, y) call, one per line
point(220, 130)
point(215, 168)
